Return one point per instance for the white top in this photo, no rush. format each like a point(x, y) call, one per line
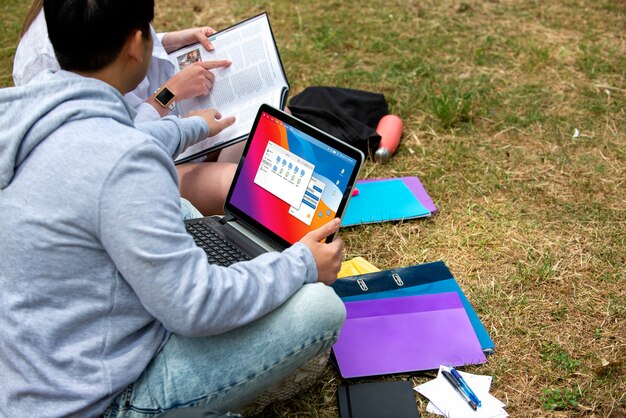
point(35, 53)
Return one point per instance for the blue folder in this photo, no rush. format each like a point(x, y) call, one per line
point(420, 279)
point(381, 200)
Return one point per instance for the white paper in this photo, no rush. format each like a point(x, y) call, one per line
point(444, 400)
point(254, 77)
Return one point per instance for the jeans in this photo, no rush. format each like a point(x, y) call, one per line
point(227, 371)
point(188, 211)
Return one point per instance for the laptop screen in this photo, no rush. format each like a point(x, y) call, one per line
point(292, 178)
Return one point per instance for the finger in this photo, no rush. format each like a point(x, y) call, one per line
point(325, 230)
point(202, 37)
point(226, 122)
point(204, 41)
point(209, 65)
point(210, 76)
point(337, 248)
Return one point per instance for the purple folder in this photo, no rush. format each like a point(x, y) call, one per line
point(406, 334)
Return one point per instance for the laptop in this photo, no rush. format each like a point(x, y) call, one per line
point(292, 178)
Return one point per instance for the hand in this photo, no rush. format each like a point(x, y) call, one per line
point(214, 119)
point(176, 40)
point(195, 79)
point(327, 256)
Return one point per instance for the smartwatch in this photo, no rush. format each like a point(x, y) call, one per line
point(165, 98)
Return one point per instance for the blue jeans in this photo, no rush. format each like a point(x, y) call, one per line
point(227, 371)
point(188, 211)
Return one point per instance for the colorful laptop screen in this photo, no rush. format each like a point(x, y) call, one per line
point(290, 182)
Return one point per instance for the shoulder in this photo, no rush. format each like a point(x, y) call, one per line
point(103, 143)
point(34, 53)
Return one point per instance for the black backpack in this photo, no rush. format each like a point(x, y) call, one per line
point(350, 115)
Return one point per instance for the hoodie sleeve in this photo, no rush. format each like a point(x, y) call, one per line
point(146, 113)
point(140, 227)
point(176, 134)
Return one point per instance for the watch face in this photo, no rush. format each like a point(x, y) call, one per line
point(164, 96)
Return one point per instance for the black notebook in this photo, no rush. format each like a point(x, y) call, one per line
point(377, 400)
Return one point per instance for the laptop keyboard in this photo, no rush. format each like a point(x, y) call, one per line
point(218, 250)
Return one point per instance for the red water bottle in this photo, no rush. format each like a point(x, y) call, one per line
point(390, 130)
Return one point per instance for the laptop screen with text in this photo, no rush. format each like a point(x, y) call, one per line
point(293, 178)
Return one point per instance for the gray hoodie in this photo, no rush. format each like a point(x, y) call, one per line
point(96, 269)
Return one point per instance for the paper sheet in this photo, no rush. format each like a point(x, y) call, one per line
point(444, 400)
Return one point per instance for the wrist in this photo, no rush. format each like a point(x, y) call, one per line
point(175, 87)
point(162, 111)
point(170, 42)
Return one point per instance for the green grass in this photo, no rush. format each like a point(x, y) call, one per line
point(560, 359)
point(532, 220)
point(560, 399)
point(12, 13)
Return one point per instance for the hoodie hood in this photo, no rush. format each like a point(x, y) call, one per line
point(29, 114)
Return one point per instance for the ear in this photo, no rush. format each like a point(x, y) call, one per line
point(134, 46)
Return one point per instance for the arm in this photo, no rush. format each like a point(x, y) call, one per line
point(175, 40)
point(33, 68)
point(192, 81)
point(176, 134)
point(146, 113)
point(169, 274)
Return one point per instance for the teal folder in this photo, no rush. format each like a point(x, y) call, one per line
point(391, 199)
point(421, 279)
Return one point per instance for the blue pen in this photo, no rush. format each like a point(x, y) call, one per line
point(465, 386)
point(457, 386)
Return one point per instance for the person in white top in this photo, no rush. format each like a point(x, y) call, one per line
point(205, 185)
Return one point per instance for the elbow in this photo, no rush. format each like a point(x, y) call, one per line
point(183, 328)
point(193, 327)
point(183, 325)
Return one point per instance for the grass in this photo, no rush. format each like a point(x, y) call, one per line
point(560, 400)
point(532, 218)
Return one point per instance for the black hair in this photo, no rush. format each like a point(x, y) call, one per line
point(88, 35)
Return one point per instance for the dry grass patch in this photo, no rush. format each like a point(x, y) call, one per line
point(532, 217)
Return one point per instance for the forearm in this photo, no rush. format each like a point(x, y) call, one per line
point(176, 134)
point(211, 300)
point(169, 273)
point(175, 40)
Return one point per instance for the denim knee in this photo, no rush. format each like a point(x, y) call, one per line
point(326, 312)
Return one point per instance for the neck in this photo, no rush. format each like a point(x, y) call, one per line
point(111, 76)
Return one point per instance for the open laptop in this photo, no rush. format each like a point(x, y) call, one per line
point(292, 178)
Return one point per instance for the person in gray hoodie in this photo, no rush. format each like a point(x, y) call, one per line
point(107, 307)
